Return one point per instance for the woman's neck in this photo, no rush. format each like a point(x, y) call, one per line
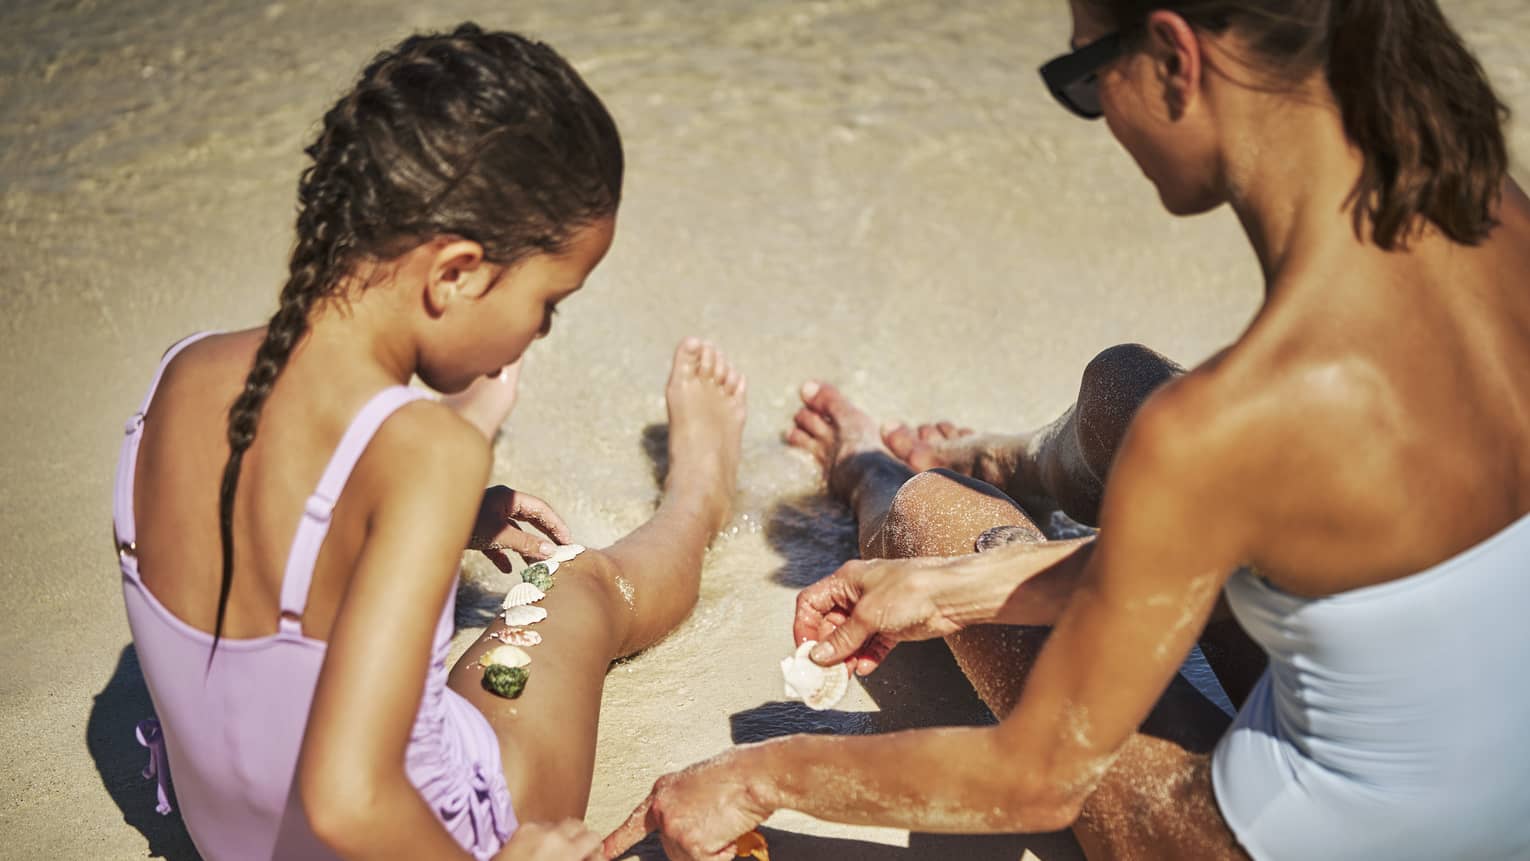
point(1290, 172)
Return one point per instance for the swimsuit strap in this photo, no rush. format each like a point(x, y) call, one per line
point(314, 525)
point(125, 526)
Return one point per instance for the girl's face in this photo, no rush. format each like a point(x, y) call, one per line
point(494, 328)
point(1152, 103)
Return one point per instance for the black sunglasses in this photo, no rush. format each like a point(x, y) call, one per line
point(1074, 78)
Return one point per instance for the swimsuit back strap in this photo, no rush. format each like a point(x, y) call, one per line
point(125, 525)
point(314, 525)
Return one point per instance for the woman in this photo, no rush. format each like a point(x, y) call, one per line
point(1353, 475)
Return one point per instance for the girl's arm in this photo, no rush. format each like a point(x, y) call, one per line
point(351, 776)
point(1142, 595)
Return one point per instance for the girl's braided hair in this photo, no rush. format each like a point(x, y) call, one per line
point(490, 137)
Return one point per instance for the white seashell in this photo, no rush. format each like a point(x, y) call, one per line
point(567, 552)
point(509, 656)
point(819, 687)
point(518, 616)
point(522, 594)
point(519, 637)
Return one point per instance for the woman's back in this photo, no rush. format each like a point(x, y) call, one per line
point(1383, 391)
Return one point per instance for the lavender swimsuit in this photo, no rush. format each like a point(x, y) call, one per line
point(232, 733)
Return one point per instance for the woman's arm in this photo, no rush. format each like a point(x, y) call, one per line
point(1142, 594)
point(351, 776)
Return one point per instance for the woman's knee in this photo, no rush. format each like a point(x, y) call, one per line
point(1115, 383)
point(942, 513)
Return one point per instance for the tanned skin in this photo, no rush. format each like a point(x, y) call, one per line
point(1372, 422)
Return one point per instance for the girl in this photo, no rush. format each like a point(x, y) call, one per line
point(1352, 476)
point(466, 186)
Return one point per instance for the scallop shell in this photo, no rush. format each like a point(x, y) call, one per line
point(518, 616)
point(522, 594)
point(567, 552)
point(517, 637)
point(819, 687)
point(507, 656)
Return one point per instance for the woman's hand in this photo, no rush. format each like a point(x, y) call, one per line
point(861, 611)
point(559, 841)
point(495, 532)
point(698, 812)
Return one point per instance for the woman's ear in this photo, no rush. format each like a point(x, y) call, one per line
point(457, 272)
point(1176, 54)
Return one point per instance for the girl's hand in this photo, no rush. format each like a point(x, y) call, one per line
point(861, 611)
point(698, 812)
point(551, 842)
point(496, 531)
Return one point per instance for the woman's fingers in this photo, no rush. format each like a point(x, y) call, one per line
point(631, 831)
point(815, 605)
point(845, 640)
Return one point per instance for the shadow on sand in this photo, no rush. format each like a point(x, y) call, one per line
point(120, 759)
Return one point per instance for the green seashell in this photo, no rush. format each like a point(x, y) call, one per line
point(504, 681)
point(539, 575)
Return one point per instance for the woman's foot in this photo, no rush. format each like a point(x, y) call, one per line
point(839, 435)
point(993, 458)
point(931, 446)
point(707, 409)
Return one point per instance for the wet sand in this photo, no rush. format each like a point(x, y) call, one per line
point(876, 193)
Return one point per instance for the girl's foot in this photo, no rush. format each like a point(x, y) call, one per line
point(488, 401)
point(707, 408)
point(838, 434)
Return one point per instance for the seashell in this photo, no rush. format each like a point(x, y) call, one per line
point(567, 552)
point(522, 594)
point(540, 574)
point(507, 682)
point(518, 637)
point(752, 845)
point(819, 687)
point(505, 656)
point(519, 616)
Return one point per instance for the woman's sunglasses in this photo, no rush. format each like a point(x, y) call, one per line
point(1074, 78)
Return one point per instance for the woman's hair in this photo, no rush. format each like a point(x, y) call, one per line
point(1413, 99)
point(489, 137)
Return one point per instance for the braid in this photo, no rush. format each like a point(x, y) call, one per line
point(315, 269)
point(486, 136)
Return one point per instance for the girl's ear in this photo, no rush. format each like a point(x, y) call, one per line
point(1176, 53)
point(457, 272)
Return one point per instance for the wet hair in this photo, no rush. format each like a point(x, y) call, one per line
point(489, 137)
point(1413, 99)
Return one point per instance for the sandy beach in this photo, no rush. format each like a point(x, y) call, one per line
point(871, 192)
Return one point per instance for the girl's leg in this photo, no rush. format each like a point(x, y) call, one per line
point(1156, 801)
point(611, 603)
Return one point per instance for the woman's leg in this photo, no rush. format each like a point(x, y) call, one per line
point(614, 602)
point(1066, 464)
point(1156, 801)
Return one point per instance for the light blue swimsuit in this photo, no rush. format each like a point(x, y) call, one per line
point(1393, 721)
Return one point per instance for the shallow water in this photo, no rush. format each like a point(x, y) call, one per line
point(879, 193)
